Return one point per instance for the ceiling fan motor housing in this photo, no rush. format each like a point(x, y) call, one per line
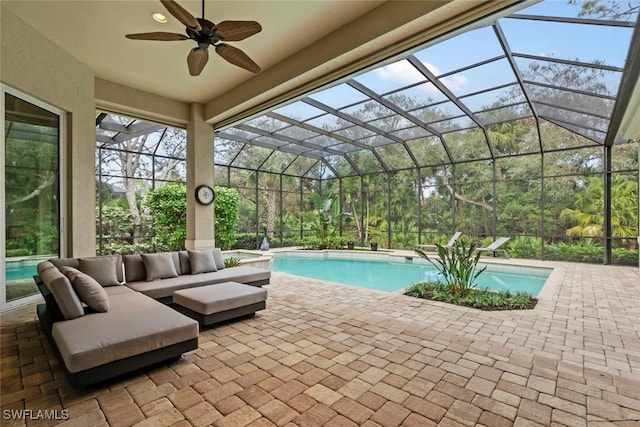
point(206, 36)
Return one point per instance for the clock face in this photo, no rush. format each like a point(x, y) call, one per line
point(204, 195)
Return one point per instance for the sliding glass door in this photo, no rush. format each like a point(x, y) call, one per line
point(31, 193)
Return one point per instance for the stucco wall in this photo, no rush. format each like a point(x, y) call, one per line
point(31, 63)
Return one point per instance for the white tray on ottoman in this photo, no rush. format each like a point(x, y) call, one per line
point(220, 302)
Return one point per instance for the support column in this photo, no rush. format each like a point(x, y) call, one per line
point(200, 233)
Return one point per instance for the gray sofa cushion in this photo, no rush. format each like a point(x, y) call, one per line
point(44, 265)
point(63, 293)
point(134, 325)
point(118, 290)
point(185, 264)
point(134, 268)
point(88, 289)
point(159, 266)
point(103, 269)
point(165, 288)
point(217, 257)
point(75, 263)
point(202, 261)
point(221, 297)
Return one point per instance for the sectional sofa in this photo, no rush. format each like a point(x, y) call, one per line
point(110, 315)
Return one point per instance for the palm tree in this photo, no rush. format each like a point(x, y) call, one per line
point(589, 215)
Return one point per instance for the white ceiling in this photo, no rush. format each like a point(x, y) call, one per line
point(93, 32)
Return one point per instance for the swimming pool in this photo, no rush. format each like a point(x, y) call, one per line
point(392, 275)
point(20, 270)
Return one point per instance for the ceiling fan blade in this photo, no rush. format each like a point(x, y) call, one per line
point(237, 30)
point(157, 36)
point(237, 57)
point(181, 14)
point(196, 60)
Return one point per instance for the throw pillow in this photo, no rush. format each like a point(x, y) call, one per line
point(202, 261)
point(102, 269)
point(159, 266)
point(89, 290)
point(217, 257)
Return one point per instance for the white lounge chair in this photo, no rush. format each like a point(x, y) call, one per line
point(451, 243)
point(495, 246)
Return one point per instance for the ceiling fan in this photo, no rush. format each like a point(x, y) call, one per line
point(206, 33)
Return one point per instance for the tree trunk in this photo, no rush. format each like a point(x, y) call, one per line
point(136, 218)
point(271, 211)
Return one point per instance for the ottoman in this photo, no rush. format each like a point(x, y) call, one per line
point(220, 302)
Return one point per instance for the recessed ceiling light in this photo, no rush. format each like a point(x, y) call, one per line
point(158, 17)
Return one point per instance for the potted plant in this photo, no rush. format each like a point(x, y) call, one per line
point(350, 245)
point(373, 234)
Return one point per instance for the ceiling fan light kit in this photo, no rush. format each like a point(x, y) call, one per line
point(205, 33)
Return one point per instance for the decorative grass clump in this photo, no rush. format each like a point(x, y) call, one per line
point(482, 298)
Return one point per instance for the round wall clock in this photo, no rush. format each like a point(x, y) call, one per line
point(205, 195)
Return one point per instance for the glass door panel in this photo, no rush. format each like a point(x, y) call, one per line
point(32, 193)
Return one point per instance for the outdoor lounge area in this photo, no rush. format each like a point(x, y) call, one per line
point(234, 232)
point(325, 354)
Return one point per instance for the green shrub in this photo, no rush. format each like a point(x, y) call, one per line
point(315, 243)
point(623, 256)
point(17, 252)
point(226, 216)
point(124, 248)
point(483, 299)
point(525, 247)
point(245, 241)
point(582, 252)
point(168, 207)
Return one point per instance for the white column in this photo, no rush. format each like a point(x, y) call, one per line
point(199, 172)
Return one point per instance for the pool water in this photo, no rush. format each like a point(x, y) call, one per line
point(240, 255)
point(387, 275)
point(20, 270)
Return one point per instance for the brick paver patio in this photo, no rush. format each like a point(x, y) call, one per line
point(324, 354)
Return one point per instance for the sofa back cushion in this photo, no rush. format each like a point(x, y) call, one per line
point(103, 269)
point(63, 293)
point(88, 289)
point(202, 261)
point(217, 257)
point(134, 270)
point(185, 264)
point(161, 265)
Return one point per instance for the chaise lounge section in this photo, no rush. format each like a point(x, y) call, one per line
point(103, 325)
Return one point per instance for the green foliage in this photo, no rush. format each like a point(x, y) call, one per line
point(323, 221)
point(12, 253)
point(314, 243)
point(110, 247)
point(458, 267)
point(231, 262)
point(525, 247)
point(245, 241)
point(168, 207)
point(622, 256)
point(226, 216)
point(588, 212)
point(484, 299)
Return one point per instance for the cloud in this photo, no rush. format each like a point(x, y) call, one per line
point(404, 73)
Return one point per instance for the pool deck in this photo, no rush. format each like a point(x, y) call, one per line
point(326, 354)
